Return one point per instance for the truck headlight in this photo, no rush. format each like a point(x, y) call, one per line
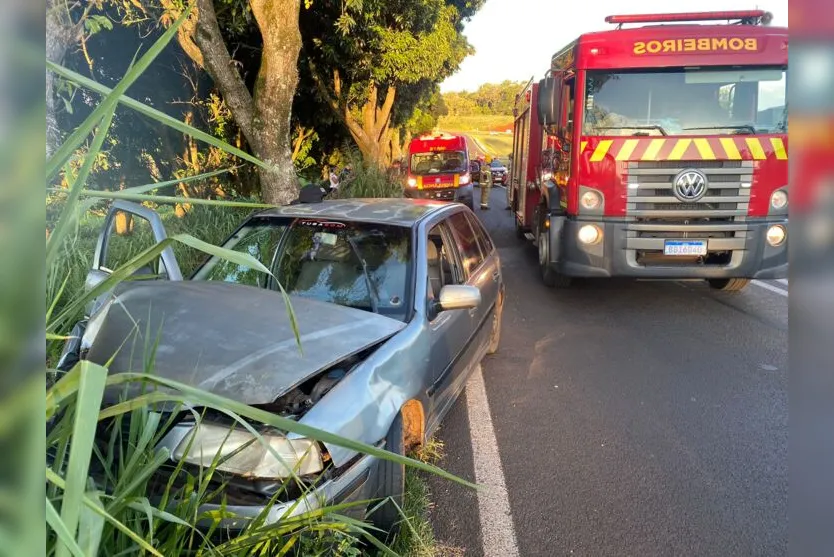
point(589, 234)
point(412, 182)
point(779, 199)
point(464, 180)
point(239, 452)
point(776, 235)
point(590, 200)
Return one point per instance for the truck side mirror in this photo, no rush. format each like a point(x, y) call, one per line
point(549, 105)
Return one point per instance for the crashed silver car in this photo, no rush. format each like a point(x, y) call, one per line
point(397, 301)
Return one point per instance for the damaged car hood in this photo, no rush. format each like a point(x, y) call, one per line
point(231, 340)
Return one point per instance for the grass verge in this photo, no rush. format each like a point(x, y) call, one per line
point(417, 535)
point(475, 122)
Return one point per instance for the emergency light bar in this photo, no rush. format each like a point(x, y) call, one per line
point(745, 15)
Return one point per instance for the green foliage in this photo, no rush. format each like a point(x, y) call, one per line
point(488, 99)
point(369, 180)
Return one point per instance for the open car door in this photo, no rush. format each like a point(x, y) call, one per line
point(129, 229)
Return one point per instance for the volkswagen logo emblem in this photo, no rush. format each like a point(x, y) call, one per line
point(690, 185)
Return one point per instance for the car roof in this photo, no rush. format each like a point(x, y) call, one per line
point(394, 211)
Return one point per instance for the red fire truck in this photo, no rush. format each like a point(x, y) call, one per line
point(438, 168)
point(658, 152)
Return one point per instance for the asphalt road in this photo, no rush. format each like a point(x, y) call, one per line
point(631, 418)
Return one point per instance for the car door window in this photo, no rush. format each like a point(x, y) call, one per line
point(442, 265)
point(483, 239)
point(467, 243)
point(260, 240)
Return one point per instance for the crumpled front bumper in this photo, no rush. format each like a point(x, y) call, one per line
point(356, 483)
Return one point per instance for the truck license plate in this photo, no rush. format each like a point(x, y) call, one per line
point(678, 247)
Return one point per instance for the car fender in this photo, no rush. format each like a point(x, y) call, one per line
point(363, 405)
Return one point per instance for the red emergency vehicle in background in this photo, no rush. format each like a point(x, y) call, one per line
point(658, 152)
point(438, 168)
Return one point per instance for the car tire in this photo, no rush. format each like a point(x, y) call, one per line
point(390, 485)
point(729, 285)
point(549, 277)
point(495, 337)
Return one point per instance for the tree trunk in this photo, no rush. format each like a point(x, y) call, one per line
point(371, 131)
point(57, 29)
point(264, 115)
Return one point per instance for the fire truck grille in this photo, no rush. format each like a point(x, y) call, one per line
point(655, 215)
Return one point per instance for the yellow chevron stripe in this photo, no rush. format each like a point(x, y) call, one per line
point(756, 148)
point(679, 149)
point(456, 180)
point(627, 149)
point(730, 148)
point(704, 149)
point(582, 146)
point(779, 148)
point(419, 182)
point(653, 149)
point(601, 150)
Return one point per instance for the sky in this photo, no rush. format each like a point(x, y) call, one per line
point(514, 39)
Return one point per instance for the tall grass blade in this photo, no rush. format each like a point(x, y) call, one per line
point(61, 531)
point(56, 480)
point(237, 257)
point(155, 114)
point(56, 239)
point(90, 527)
point(90, 391)
point(65, 151)
point(125, 194)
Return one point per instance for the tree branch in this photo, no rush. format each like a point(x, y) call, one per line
point(219, 65)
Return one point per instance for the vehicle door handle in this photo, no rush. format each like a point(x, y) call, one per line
point(496, 275)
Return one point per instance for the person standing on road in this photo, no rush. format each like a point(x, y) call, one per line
point(486, 182)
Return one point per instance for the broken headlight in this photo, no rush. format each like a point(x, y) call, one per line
point(242, 453)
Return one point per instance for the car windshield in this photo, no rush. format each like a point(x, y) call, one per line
point(423, 164)
point(360, 265)
point(686, 102)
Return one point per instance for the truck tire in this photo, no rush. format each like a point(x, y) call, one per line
point(390, 485)
point(729, 285)
point(549, 277)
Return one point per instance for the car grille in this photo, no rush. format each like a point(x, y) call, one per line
point(654, 214)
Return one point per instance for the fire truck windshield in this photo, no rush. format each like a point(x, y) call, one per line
point(688, 101)
point(444, 162)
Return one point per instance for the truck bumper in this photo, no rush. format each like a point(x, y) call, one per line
point(461, 194)
point(626, 252)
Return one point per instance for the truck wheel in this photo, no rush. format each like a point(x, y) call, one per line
point(390, 485)
point(549, 277)
point(729, 285)
point(519, 232)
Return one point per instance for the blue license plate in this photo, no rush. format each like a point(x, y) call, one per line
point(685, 247)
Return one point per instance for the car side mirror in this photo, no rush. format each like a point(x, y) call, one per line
point(458, 296)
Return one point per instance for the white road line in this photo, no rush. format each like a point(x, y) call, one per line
point(783, 281)
point(497, 531)
point(770, 287)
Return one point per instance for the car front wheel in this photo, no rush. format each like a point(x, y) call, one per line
point(495, 337)
point(390, 485)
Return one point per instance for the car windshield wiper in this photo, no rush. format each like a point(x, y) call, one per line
point(372, 293)
point(649, 127)
point(740, 127)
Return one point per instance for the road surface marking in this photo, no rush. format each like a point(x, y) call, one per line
point(497, 530)
point(783, 281)
point(772, 288)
